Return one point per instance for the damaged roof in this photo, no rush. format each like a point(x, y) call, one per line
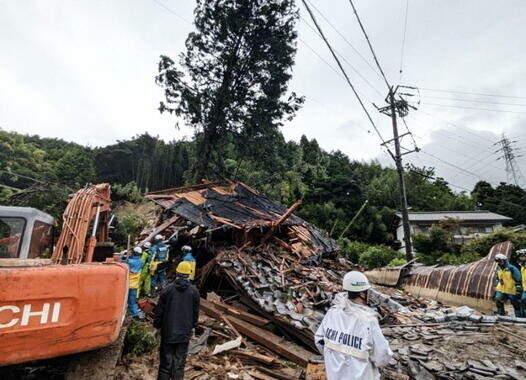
point(235, 205)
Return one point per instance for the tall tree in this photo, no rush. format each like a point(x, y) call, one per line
point(234, 75)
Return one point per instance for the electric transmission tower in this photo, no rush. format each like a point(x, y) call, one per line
point(509, 155)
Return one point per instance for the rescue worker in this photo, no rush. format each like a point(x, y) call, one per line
point(189, 258)
point(135, 264)
point(521, 255)
point(145, 281)
point(350, 337)
point(176, 314)
point(159, 253)
point(508, 285)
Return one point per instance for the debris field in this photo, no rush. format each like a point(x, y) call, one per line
point(270, 276)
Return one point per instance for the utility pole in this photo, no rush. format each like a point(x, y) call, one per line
point(400, 107)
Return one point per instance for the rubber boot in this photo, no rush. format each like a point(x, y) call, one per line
point(500, 307)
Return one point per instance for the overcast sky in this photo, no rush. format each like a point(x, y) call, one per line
point(84, 71)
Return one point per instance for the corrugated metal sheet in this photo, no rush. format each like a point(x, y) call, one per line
point(468, 284)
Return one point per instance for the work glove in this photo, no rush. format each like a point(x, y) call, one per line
point(518, 288)
point(193, 333)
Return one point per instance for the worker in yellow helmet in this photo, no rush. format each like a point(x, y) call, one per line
point(176, 314)
point(508, 285)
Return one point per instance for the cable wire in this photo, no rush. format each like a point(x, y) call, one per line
point(403, 39)
point(172, 12)
point(346, 40)
point(473, 93)
point(471, 108)
point(370, 45)
point(345, 60)
point(343, 71)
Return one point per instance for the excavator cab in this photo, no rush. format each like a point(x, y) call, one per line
point(25, 233)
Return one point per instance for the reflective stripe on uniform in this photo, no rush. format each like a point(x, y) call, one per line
point(346, 350)
point(523, 273)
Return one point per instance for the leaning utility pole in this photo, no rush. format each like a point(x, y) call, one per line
point(400, 107)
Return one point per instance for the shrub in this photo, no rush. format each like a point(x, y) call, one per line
point(397, 261)
point(139, 339)
point(454, 259)
point(482, 246)
point(378, 256)
point(129, 192)
point(352, 250)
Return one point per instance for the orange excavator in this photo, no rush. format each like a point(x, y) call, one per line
point(68, 300)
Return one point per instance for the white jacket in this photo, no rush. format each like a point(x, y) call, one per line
point(352, 342)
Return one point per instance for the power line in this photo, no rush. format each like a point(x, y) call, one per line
point(403, 38)
point(452, 165)
point(343, 71)
point(370, 45)
point(472, 108)
point(346, 61)
point(172, 11)
point(461, 128)
point(473, 93)
point(345, 39)
point(474, 101)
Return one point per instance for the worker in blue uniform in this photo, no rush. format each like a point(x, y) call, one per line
point(159, 256)
point(186, 250)
point(135, 263)
point(521, 258)
point(508, 285)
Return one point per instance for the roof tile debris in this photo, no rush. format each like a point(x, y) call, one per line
point(283, 274)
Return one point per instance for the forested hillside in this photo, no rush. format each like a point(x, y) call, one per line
point(41, 172)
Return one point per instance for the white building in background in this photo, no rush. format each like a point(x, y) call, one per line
point(471, 224)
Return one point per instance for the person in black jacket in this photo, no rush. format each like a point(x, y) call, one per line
point(176, 314)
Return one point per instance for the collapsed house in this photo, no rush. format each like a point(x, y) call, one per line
point(276, 275)
point(268, 255)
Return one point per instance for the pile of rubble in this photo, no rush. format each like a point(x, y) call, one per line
point(283, 273)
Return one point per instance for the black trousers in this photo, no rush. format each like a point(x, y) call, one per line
point(172, 361)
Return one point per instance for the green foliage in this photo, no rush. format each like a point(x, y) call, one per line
point(132, 225)
point(233, 77)
point(140, 339)
point(505, 199)
point(352, 250)
point(379, 256)
point(397, 261)
point(433, 244)
point(129, 192)
point(481, 246)
point(455, 259)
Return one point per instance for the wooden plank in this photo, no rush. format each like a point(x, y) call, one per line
point(281, 220)
point(167, 223)
point(241, 314)
point(254, 356)
point(273, 342)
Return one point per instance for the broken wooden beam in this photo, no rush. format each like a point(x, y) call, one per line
point(241, 314)
point(264, 337)
point(167, 223)
point(281, 220)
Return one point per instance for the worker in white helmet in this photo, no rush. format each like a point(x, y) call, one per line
point(159, 256)
point(508, 285)
point(350, 337)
